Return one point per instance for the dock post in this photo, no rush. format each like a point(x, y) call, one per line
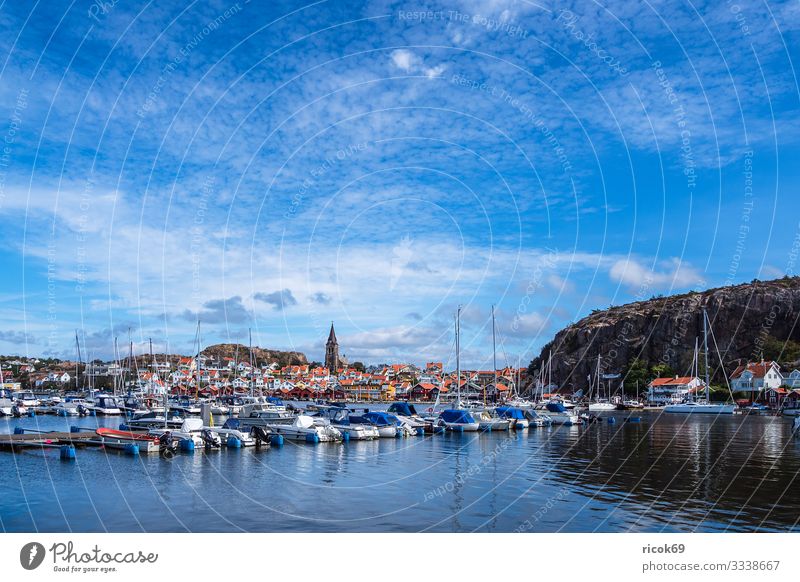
point(67, 452)
point(132, 450)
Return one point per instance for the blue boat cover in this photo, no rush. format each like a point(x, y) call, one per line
point(510, 412)
point(374, 418)
point(457, 417)
point(556, 407)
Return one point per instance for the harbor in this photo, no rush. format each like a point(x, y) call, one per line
point(663, 473)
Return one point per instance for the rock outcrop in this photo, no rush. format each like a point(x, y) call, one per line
point(746, 319)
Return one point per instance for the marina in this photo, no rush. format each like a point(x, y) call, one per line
point(643, 471)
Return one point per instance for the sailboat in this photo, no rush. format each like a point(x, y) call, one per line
point(600, 404)
point(702, 407)
point(456, 419)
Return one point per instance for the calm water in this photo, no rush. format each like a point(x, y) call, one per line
point(669, 473)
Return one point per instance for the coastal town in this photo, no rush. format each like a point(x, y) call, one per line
point(760, 383)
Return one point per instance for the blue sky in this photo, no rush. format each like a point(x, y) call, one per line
point(279, 165)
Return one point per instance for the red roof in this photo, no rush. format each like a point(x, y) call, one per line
point(671, 381)
point(758, 369)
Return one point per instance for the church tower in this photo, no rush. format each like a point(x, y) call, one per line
point(332, 360)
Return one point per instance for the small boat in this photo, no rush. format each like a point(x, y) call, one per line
point(700, 408)
point(6, 403)
point(153, 419)
point(72, 407)
point(231, 428)
point(119, 438)
point(490, 422)
point(516, 416)
point(106, 406)
point(234, 405)
point(339, 418)
point(409, 415)
point(26, 399)
point(297, 428)
point(185, 406)
point(458, 420)
point(602, 406)
point(192, 429)
point(558, 414)
point(384, 423)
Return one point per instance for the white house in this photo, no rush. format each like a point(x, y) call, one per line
point(756, 376)
point(672, 390)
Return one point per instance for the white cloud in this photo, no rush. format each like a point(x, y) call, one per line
point(669, 274)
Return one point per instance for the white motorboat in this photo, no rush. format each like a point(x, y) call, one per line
point(106, 406)
point(297, 428)
point(409, 416)
point(516, 416)
point(231, 428)
point(6, 403)
point(457, 420)
point(26, 399)
point(602, 406)
point(192, 429)
point(700, 408)
point(154, 419)
point(560, 415)
point(490, 422)
point(339, 418)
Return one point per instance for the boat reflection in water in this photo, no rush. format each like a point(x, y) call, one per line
point(668, 472)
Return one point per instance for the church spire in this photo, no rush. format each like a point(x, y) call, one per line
point(332, 360)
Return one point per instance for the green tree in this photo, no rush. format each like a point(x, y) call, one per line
point(636, 375)
point(359, 366)
point(662, 370)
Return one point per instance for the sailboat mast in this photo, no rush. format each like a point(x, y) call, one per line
point(458, 357)
point(78, 363)
point(252, 389)
point(705, 349)
point(199, 375)
point(494, 357)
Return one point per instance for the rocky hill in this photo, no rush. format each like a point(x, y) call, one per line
point(260, 355)
point(658, 336)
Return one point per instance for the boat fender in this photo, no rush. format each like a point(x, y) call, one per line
point(74, 429)
point(312, 438)
point(398, 433)
point(19, 430)
point(62, 413)
point(124, 427)
point(420, 431)
point(234, 442)
point(345, 436)
point(276, 439)
point(612, 420)
point(187, 445)
point(634, 419)
point(131, 449)
point(67, 452)
point(31, 413)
